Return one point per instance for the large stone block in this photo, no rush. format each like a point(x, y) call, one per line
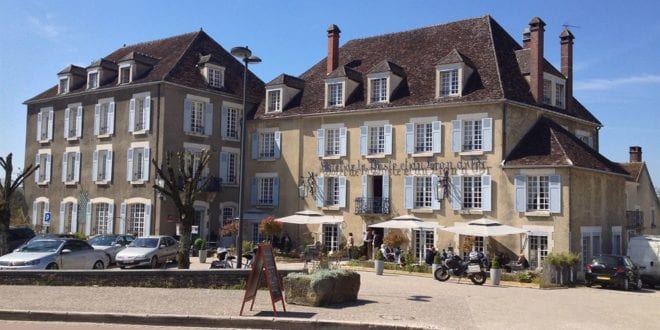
point(321, 288)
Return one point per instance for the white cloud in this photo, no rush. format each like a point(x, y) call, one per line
point(45, 27)
point(608, 84)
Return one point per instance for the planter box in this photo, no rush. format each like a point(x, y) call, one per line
point(379, 265)
point(495, 276)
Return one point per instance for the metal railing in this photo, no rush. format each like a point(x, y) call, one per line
point(372, 205)
point(634, 219)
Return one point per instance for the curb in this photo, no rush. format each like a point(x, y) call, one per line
point(192, 320)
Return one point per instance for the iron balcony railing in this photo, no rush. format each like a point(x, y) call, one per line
point(372, 205)
point(634, 219)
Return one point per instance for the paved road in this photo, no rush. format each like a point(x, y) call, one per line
point(389, 300)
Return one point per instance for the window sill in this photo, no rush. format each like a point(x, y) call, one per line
point(138, 182)
point(141, 132)
point(196, 134)
point(331, 208)
point(72, 138)
point(427, 211)
point(471, 153)
point(537, 213)
point(70, 183)
point(266, 159)
point(375, 156)
point(43, 183)
point(470, 212)
point(103, 136)
point(422, 154)
point(230, 185)
point(102, 183)
point(331, 157)
point(265, 206)
point(44, 141)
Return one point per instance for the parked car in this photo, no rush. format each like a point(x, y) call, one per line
point(55, 253)
point(645, 252)
point(110, 244)
point(148, 251)
point(613, 270)
point(18, 236)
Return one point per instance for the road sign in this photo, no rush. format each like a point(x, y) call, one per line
point(46, 219)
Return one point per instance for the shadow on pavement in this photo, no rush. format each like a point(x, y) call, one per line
point(359, 302)
point(301, 315)
point(420, 298)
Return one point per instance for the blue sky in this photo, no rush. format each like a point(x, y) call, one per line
point(616, 68)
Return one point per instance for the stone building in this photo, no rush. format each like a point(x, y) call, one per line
point(449, 123)
point(642, 203)
point(94, 133)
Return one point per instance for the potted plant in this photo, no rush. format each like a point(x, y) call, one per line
point(379, 263)
point(437, 262)
point(495, 271)
point(200, 245)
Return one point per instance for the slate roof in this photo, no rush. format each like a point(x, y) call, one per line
point(481, 42)
point(549, 144)
point(285, 79)
point(174, 60)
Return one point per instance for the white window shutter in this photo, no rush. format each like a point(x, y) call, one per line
point(51, 116)
point(208, 116)
point(39, 119)
point(76, 173)
point(342, 191)
point(278, 144)
point(320, 192)
point(88, 219)
point(187, 115)
point(147, 113)
point(487, 134)
point(554, 186)
point(435, 204)
point(224, 165)
point(342, 141)
point(456, 192)
point(146, 160)
point(48, 167)
point(276, 191)
point(456, 136)
point(122, 218)
point(436, 127)
point(108, 166)
point(364, 138)
point(224, 121)
point(255, 145)
point(97, 119)
point(62, 220)
point(36, 174)
point(111, 217)
point(111, 118)
point(64, 163)
point(386, 187)
point(410, 138)
point(520, 184)
point(95, 165)
point(408, 186)
point(131, 115)
point(74, 218)
point(388, 139)
point(129, 165)
point(67, 112)
point(365, 186)
point(486, 188)
point(79, 122)
point(147, 220)
point(320, 142)
point(35, 209)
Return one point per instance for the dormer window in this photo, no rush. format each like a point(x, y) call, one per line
point(379, 91)
point(554, 91)
point(449, 82)
point(335, 94)
point(125, 74)
point(274, 100)
point(452, 74)
point(215, 75)
point(93, 80)
point(64, 85)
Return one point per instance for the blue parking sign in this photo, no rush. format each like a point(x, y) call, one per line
point(46, 218)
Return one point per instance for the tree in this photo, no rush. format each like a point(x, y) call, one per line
point(7, 190)
point(183, 181)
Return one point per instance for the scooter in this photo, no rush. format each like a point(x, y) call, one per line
point(473, 268)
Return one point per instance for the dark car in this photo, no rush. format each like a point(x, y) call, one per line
point(613, 270)
point(18, 236)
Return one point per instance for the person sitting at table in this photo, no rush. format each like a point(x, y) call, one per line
point(522, 262)
point(387, 252)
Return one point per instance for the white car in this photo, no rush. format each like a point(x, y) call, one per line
point(55, 253)
point(110, 244)
point(148, 251)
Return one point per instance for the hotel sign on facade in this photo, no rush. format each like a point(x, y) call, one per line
point(400, 168)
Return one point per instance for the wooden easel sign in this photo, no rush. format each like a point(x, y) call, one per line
point(264, 263)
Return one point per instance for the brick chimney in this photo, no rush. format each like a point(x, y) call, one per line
point(635, 154)
point(333, 48)
point(527, 38)
point(566, 38)
point(536, 59)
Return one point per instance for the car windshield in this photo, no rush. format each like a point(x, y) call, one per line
point(41, 246)
point(102, 240)
point(145, 242)
point(611, 261)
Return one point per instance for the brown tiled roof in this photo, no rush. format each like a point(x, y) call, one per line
point(634, 169)
point(285, 79)
point(176, 59)
point(481, 42)
point(549, 144)
point(387, 66)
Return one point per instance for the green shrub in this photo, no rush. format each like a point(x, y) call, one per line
point(495, 264)
point(525, 277)
point(247, 246)
point(200, 244)
point(380, 256)
point(437, 260)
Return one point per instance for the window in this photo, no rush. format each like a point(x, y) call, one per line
point(591, 243)
point(125, 74)
point(616, 240)
point(138, 164)
point(559, 95)
point(538, 193)
point(93, 80)
point(102, 166)
point(39, 208)
point(423, 137)
point(554, 91)
point(135, 224)
point(470, 134)
point(423, 188)
point(45, 125)
point(471, 192)
point(378, 90)
point(585, 137)
point(256, 234)
point(231, 116)
point(538, 250)
point(139, 119)
point(229, 163)
point(331, 191)
point(197, 118)
point(68, 217)
point(228, 215)
point(274, 100)
point(330, 237)
point(63, 86)
point(376, 139)
point(332, 142)
point(472, 139)
point(43, 159)
point(265, 191)
point(73, 121)
point(449, 82)
point(71, 166)
point(335, 94)
point(193, 157)
point(547, 91)
point(420, 192)
point(103, 222)
point(104, 118)
point(215, 76)
point(266, 144)
point(424, 239)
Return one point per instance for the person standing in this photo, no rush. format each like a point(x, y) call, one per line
point(378, 241)
point(368, 247)
point(350, 244)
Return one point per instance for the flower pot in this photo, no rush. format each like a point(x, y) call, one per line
point(202, 256)
point(495, 275)
point(379, 265)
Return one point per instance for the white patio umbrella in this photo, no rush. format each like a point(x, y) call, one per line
point(309, 217)
point(484, 227)
point(406, 222)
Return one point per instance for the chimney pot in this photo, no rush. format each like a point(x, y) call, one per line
point(527, 37)
point(536, 58)
point(635, 154)
point(333, 48)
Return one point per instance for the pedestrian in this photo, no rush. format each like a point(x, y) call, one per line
point(350, 244)
point(378, 241)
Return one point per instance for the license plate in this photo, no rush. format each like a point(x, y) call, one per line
point(474, 268)
point(603, 278)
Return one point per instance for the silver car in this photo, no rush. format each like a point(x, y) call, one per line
point(55, 253)
point(110, 244)
point(148, 251)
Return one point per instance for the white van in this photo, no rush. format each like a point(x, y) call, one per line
point(644, 251)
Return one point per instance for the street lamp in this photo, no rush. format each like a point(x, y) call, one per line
point(245, 54)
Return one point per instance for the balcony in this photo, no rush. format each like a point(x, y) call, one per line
point(634, 219)
point(213, 184)
point(372, 205)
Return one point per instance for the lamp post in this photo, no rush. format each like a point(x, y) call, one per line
point(245, 54)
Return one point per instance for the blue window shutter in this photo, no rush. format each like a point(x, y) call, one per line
point(187, 115)
point(456, 192)
point(555, 193)
point(253, 191)
point(365, 186)
point(408, 182)
point(320, 142)
point(111, 217)
point(79, 115)
point(64, 163)
point(108, 166)
point(147, 219)
point(111, 118)
point(486, 189)
point(435, 204)
point(36, 174)
point(364, 138)
point(48, 167)
point(129, 164)
point(74, 218)
point(51, 116)
point(276, 191)
point(88, 219)
point(131, 115)
point(437, 136)
point(320, 191)
point(255, 145)
point(39, 118)
point(487, 134)
point(122, 218)
point(97, 118)
point(388, 139)
point(76, 168)
point(147, 113)
point(67, 113)
point(35, 209)
point(145, 162)
point(224, 164)
point(224, 121)
point(386, 186)
point(278, 144)
point(342, 191)
point(62, 220)
point(456, 141)
point(342, 141)
point(520, 183)
point(410, 138)
point(208, 125)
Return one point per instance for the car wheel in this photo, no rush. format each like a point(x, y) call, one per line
point(98, 265)
point(154, 262)
point(52, 266)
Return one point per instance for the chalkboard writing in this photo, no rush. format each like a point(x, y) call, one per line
point(264, 262)
point(271, 274)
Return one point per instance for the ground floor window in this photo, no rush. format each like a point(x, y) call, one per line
point(68, 216)
point(616, 240)
point(538, 250)
point(102, 219)
point(256, 235)
point(331, 237)
point(423, 240)
point(591, 244)
point(136, 217)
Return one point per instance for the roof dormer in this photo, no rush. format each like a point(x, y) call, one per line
point(100, 73)
point(382, 80)
point(340, 85)
point(283, 92)
point(134, 66)
point(212, 70)
point(71, 78)
point(452, 73)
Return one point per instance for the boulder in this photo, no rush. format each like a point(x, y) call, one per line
point(321, 288)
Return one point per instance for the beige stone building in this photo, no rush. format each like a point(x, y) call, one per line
point(449, 123)
point(94, 133)
point(642, 203)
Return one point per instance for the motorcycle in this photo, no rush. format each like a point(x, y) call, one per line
point(473, 268)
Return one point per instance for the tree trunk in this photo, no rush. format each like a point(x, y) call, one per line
point(183, 255)
point(5, 216)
